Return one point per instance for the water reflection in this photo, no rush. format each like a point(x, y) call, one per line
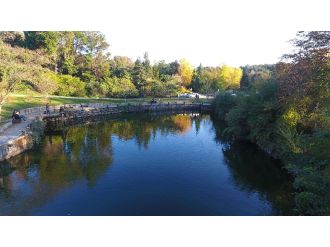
point(82, 156)
point(252, 170)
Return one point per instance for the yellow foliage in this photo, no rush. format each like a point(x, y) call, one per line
point(230, 77)
point(186, 71)
point(291, 117)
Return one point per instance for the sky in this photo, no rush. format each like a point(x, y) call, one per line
point(207, 32)
point(212, 48)
point(211, 32)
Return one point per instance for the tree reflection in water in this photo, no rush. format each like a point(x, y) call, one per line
point(80, 156)
point(82, 152)
point(252, 170)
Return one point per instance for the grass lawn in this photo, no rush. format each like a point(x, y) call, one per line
point(18, 101)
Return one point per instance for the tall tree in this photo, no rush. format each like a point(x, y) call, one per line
point(139, 76)
point(42, 40)
point(92, 61)
point(186, 71)
point(305, 82)
point(67, 53)
point(121, 66)
point(196, 82)
point(95, 43)
point(47, 41)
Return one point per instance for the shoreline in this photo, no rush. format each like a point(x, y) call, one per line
point(25, 137)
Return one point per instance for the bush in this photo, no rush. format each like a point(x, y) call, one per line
point(251, 116)
point(223, 103)
point(119, 87)
point(278, 129)
point(70, 86)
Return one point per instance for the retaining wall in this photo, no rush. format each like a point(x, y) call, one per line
point(76, 112)
point(15, 146)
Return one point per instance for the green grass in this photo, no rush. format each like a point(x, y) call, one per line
point(18, 101)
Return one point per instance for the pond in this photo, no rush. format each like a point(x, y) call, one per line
point(147, 164)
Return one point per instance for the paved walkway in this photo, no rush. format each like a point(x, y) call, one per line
point(15, 130)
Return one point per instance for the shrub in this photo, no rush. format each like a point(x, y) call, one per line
point(223, 103)
point(70, 86)
point(119, 87)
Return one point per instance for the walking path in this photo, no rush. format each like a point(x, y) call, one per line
point(10, 131)
point(15, 130)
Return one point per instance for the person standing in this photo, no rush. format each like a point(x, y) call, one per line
point(47, 109)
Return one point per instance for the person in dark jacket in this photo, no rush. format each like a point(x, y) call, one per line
point(16, 116)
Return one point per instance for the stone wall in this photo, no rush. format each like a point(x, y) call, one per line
point(25, 141)
point(99, 111)
point(15, 146)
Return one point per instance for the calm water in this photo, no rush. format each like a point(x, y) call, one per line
point(144, 165)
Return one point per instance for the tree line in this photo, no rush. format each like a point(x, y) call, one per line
point(79, 64)
point(285, 110)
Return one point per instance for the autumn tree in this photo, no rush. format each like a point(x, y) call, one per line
point(213, 79)
point(230, 77)
point(305, 77)
point(185, 71)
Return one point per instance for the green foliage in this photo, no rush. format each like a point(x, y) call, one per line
point(283, 109)
point(121, 66)
point(163, 70)
point(139, 76)
point(258, 117)
point(197, 81)
point(164, 88)
point(70, 86)
point(95, 43)
point(119, 88)
point(21, 66)
point(12, 38)
point(223, 103)
point(252, 116)
point(253, 76)
point(42, 40)
point(305, 78)
point(84, 55)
